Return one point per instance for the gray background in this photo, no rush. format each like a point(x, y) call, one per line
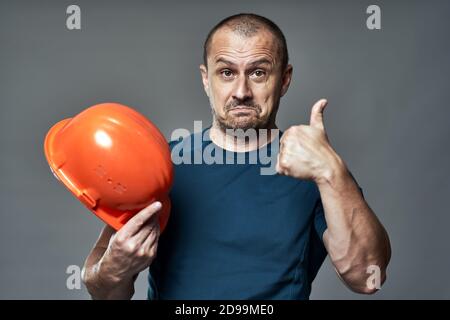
point(387, 116)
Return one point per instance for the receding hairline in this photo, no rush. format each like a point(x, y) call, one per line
point(248, 25)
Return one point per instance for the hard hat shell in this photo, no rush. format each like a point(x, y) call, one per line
point(114, 160)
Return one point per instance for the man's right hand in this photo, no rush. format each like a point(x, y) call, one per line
point(114, 263)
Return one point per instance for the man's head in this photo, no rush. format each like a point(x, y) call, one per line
point(245, 71)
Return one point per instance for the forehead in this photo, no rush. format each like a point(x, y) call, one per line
point(232, 44)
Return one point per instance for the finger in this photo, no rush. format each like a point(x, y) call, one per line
point(152, 239)
point(138, 221)
point(150, 251)
point(147, 229)
point(287, 144)
point(285, 135)
point(316, 119)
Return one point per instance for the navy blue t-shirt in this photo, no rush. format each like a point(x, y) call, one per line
point(234, 233)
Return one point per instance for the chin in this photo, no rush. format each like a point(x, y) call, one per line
point(243, 123)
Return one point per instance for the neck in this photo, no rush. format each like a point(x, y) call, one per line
point(242, 141)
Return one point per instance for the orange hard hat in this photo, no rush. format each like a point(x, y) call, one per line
point(114, 160)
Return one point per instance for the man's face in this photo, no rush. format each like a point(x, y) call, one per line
point(244, 80)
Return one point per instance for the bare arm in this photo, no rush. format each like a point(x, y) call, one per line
point(355, 238)
point(115, 261)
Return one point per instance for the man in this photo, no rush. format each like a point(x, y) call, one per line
point(233, 232)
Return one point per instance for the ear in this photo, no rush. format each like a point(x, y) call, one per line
point(204, 73)
point(286, 79)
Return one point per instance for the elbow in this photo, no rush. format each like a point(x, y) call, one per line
point(363, 280)
point(365, 290)
point(86, 277)
point(363, 268)
point(369, 288)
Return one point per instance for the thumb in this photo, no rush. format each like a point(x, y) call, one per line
point(316, 119)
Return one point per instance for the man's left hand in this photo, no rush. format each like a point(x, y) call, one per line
point(305, 152)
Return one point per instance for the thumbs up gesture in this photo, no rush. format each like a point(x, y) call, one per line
point(305, 152)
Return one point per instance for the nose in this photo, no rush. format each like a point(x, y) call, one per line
point(242, 90)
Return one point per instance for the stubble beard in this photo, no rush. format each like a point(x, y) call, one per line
point(244, 120)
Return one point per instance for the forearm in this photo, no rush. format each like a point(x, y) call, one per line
point(98, 283)
point(355, 238)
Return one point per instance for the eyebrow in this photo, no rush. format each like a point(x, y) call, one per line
point(252, 64)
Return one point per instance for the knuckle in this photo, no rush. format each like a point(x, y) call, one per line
point(301, 129)
point(288, 133)
point(141, 253)
point(130, 247)
point(283, 162)
point(120, 240)
point(293, 133)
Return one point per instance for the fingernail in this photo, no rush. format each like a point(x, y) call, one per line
point(157, 205)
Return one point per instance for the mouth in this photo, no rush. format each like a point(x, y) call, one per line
point(241, 108)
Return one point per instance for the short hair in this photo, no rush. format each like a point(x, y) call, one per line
point(247, 25)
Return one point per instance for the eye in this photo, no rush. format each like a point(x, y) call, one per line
point(259, 73)
point(226, 73)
